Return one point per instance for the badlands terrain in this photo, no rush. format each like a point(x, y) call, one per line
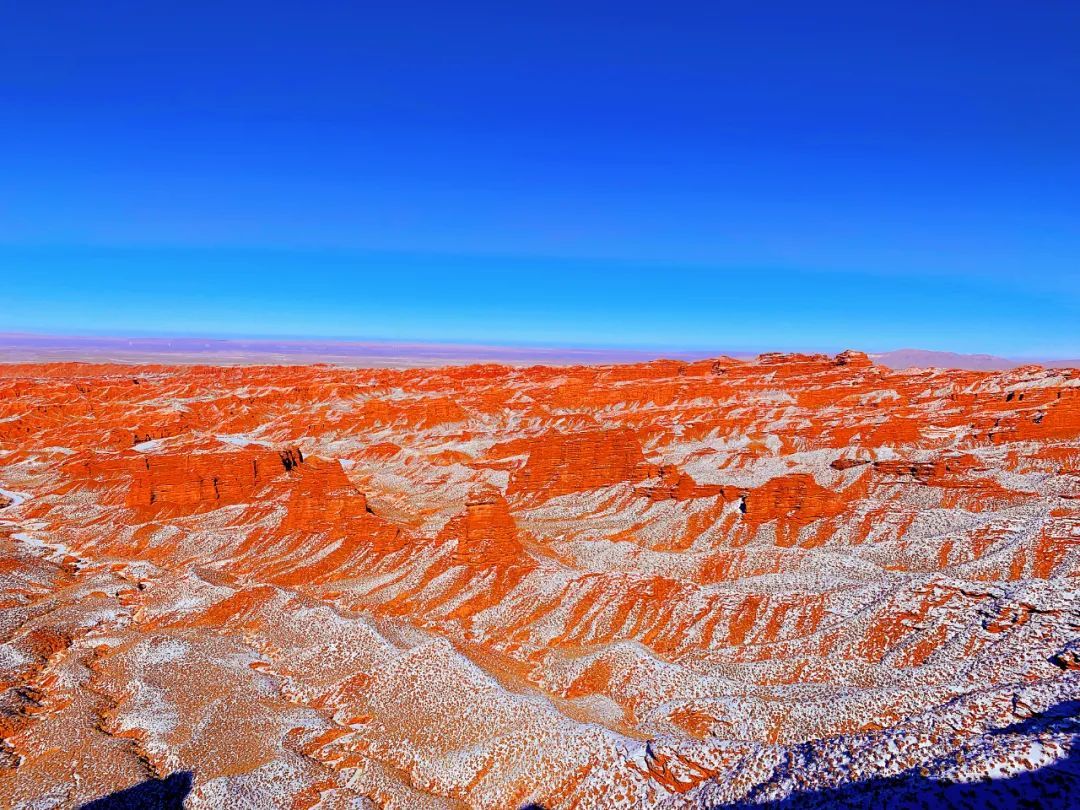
point(793, 581)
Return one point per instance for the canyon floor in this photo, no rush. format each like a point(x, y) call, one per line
point(793, 581)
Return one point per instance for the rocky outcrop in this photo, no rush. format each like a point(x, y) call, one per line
point(485, 534)
point(321, 497)
point(673, 484)
point(186, 479)
point(188, 483)
point(564, 463)
point(853, 359)
point(792, 502)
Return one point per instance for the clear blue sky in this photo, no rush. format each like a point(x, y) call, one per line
point(737, 175)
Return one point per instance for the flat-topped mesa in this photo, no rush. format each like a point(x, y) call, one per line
point(565, 463)
point(206, 480)
point(793, 359)
point(853, 359)
point(189, 479)
point(655, 370)
point(673, 484)
point(485, 533)
point(792, 365)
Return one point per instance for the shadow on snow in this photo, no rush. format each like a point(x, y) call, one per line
point(153, 794)
point(1053, 787)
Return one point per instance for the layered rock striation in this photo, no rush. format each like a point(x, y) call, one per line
point(803, 578)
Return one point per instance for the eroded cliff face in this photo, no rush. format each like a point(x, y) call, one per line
point(665, 585)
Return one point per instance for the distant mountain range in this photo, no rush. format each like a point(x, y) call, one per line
point(923, 358)
point(29, 348)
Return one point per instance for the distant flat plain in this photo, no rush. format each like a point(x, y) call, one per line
point(34, 348)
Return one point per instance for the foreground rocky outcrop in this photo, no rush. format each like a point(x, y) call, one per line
point(802, 579)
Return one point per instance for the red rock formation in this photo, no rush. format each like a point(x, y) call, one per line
point(190, 478)
point(675, 485)
point(792, 501)
point(563, 463)
point(321, 497)
point(485, 533)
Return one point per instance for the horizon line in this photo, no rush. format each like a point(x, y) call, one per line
point(284, 345)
